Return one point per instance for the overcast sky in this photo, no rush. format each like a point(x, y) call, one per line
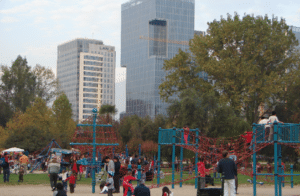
point(34, 28)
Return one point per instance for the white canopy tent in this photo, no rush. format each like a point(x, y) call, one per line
point(13, 149)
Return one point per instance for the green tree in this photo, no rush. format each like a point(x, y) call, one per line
point(5, 112)
point(108, 110)
point(30, 138)
point(64, 124)
point(46, 83)
point(251, 59)
point(18, 84)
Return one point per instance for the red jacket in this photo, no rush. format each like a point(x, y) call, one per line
point(128, 178)
point(201, 169)
point(186, 131)
point(72, 179)
point(248, 136)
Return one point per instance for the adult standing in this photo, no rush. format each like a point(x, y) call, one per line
point(228, 167)
point(272, 119)
point(5, 166)
point(111, 164)
point(117, 175)
point(53, 170)
point(24, 162)
point(0, 164)
point(141, 190)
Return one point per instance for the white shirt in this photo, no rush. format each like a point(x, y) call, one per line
point(272, 119)
point(63, 176)
point(264, 121)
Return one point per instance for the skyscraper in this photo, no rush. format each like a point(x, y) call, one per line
point(151, 32)
point(86, 73)
point(296, 31)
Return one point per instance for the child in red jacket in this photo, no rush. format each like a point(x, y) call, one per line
point(126, 182)
point(186, 132)
point(72, 182)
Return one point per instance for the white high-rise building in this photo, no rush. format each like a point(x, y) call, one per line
point(86, 73)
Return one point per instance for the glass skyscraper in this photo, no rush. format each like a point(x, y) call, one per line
point(296, 31)
point(86, 74)
point(152, 31)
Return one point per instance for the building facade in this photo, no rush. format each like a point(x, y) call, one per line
point(296, 31)
point(152, 31)
point(86, 74)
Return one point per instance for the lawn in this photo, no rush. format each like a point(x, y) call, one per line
point(35, 179)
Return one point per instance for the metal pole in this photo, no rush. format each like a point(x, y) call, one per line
point(158, 157)
point(196, 159)
point(126, 149)
point(254, 158)
point(173, 156)
point(139, 173)
point(181, 157)
point(292, 178)
point(94, 150)
point(275, 158)
point(280, 170)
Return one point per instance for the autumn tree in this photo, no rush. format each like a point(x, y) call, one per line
point(252, 60)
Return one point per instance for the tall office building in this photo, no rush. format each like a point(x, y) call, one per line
point(151, 32)
point(86, 73)
point(296, 31)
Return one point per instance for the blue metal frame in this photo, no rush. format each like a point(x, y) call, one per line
point(283, 133)
point(94, 144)
point(169, 138)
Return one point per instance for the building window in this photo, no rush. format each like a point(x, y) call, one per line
point(90, 100)
point(158, 31)
point(90, 84)
point(91, 79)
point(89, 106)
point(93, 90)
point(93, 63)
point(96, 58)
point(90, 95)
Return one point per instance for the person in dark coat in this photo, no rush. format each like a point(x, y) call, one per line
point(117, 175)
point(228, 167)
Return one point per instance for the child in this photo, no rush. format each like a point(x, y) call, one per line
point(186, 131)
point(166, 192)
point(110, 183)
point(103, 188)
point(72, 179)
point(21, 173)
point(126, 182)
point(64, 176)
point(59, 191)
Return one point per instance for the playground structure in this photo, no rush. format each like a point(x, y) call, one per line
point(42, 156)
point(284, 134)
point(102, 136)
point(175, 137)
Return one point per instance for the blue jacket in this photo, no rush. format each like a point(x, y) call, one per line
point(229, 168)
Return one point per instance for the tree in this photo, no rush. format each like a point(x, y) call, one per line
point(5, 112)
point(64, 124)
point(108, 110)
point(18, 84)
point(252, 61)
point(36, 120)
point(30, 138)
point(206, 112)
point(46, 83)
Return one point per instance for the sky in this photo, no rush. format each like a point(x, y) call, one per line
point(34, 28)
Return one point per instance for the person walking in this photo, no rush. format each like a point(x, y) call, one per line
point(228, 167)
point(141, 190)
point(117, 175)
point(53, 170)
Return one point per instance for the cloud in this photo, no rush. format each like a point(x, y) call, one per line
point(9, 19)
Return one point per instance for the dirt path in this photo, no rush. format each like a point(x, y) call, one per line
point(43, 190)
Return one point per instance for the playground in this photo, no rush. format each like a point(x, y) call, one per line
point(181, 176)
